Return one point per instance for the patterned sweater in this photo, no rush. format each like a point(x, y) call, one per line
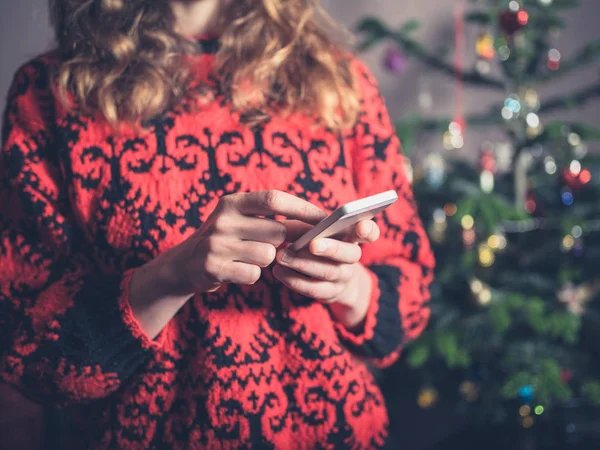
point(81, 207)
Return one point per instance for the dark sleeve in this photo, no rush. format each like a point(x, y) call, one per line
point(67, 332)
point(401, 262)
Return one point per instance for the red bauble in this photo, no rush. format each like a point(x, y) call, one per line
point(488, 161)
point(571, 180)
point(513, 21)
point(566, 375)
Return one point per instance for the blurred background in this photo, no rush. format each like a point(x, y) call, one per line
point(497, 103)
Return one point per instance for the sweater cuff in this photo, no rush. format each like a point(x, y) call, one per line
point(381, 335)
point(101, 329)
point(130, 320)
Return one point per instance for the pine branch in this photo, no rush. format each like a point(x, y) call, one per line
point(571, 100)
point(375, 31)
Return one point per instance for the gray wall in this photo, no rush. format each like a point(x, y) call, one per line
point(24, 32)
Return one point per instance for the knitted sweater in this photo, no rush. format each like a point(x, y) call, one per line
point(82, 207)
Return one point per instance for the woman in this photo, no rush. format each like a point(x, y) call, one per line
point(154, 169)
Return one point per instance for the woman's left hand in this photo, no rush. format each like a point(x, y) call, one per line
point(329, 270)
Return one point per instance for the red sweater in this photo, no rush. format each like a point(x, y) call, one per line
point(245, 367)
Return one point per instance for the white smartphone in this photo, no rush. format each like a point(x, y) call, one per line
point(346, 216)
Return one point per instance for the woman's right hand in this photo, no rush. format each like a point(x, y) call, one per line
point(232, 246)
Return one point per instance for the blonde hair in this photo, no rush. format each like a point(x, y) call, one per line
point(123, 59)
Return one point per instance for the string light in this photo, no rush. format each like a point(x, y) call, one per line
point(528, 422)
point(485, 297)
point(453, 138)
point(450, 209)
point(427, 397)
point(487, 181)
point(439, 216)
point(524, 410)
point(514, 6)
point(567, 197)
point(504, 52)
point(502, 244)
point(494, 241)
point(574, 139)
point(486, 256)
point(554, 59)
point(575, 167)
point(467, 222)
point(539, 410)
point(469, 390)
point(532, 99)
point(523, 17)
point(576, 231)
point(585, 176)
point(568, 242)
point(550, 165)
point(468, 237)
point(533, 120)
point(507, 113)
point(476, 286)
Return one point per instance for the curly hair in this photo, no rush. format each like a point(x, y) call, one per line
point(124, 60)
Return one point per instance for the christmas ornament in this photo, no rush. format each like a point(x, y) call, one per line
point(574, 177)
point(485, 46)
point(488, 159)
point(395, 61)
point(530, 202)
point(554, 59)
point(427, 397)
point(513, 21)
point(526, 393)
point(566, 375)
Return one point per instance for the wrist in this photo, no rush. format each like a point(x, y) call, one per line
point(352, 306)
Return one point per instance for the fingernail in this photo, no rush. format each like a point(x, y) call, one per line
point(286, 256)
point(367, 229)
point(321, 246)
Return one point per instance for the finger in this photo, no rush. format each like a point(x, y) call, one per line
point(295, 229)
point(257, 253)
point(340, 251)
point(261, 230)
point(241, 273)
point(303, 285)
point(276, 202)
point(314, 266)
point(364, 231)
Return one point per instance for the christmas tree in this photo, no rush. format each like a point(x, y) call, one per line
point(516, 235)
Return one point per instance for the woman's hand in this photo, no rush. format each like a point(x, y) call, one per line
point(232, 246)
point(329, 271)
